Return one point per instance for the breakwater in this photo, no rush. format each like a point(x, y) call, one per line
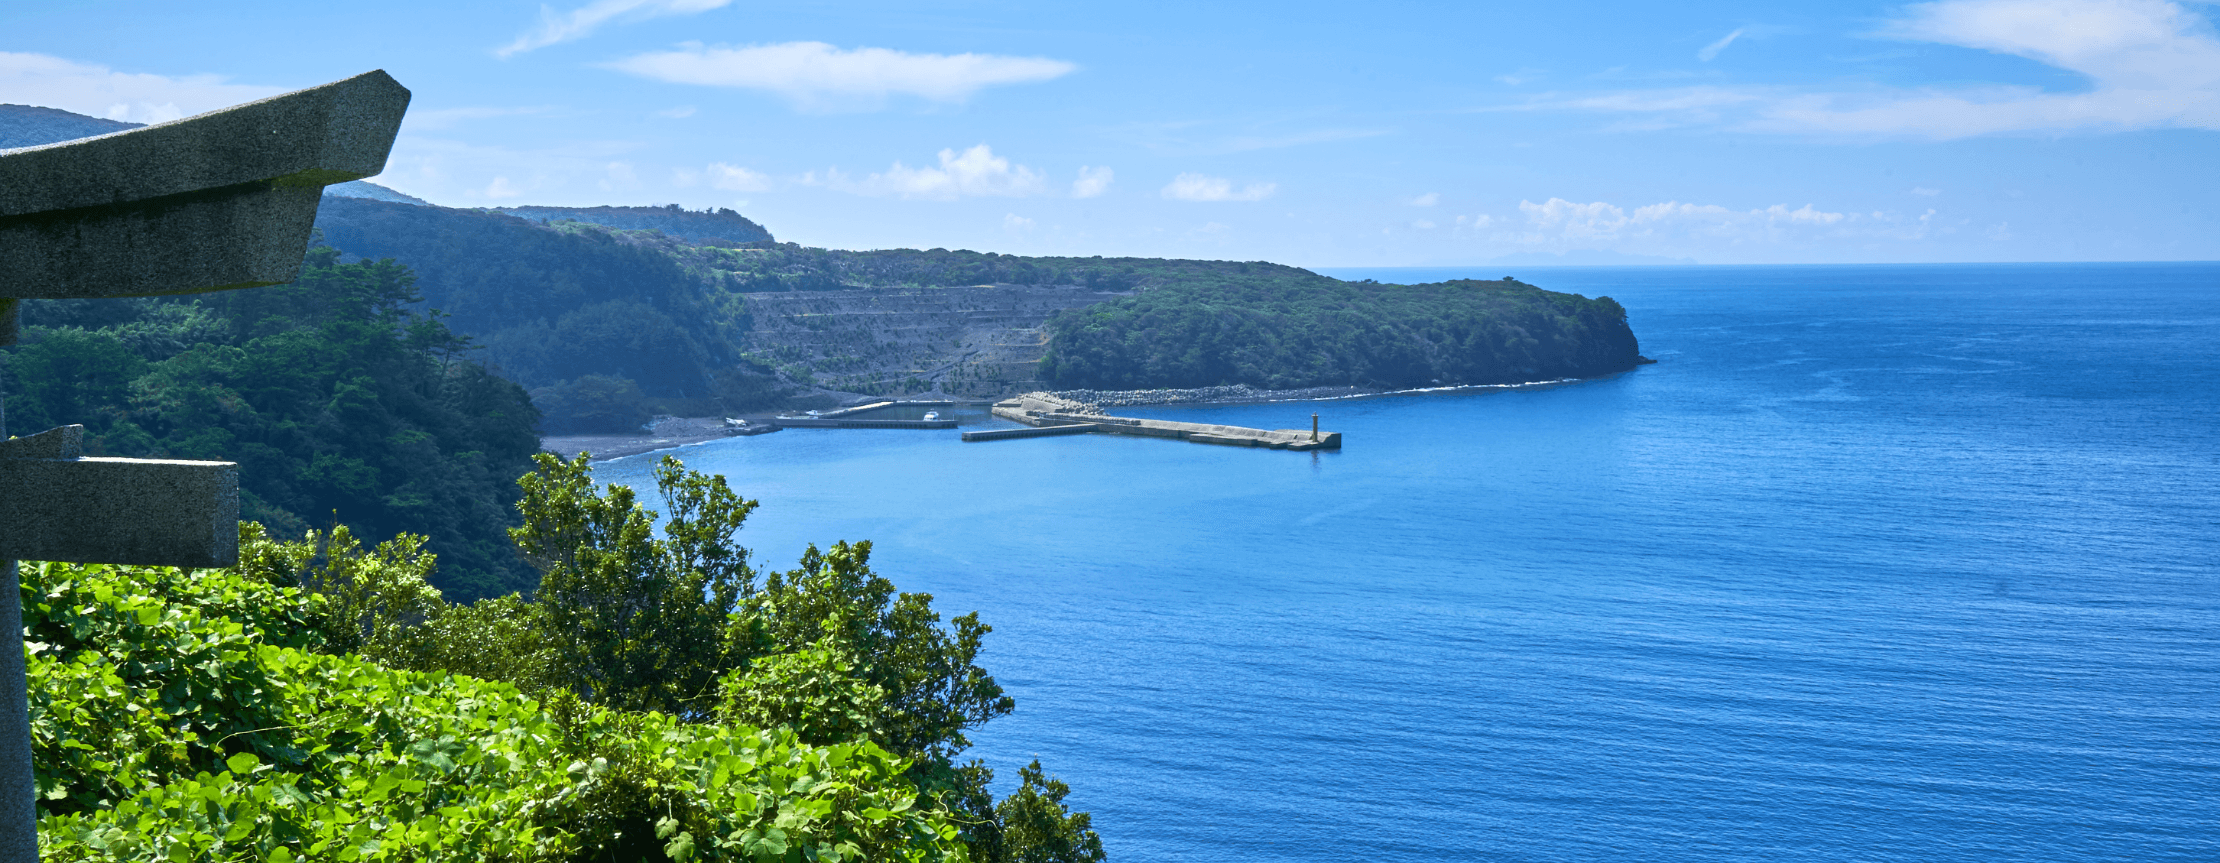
point(861, 417)
point(1051, 414)
point(856, 423)
point(1209, 395)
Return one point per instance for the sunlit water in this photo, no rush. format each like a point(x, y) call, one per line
point(1878, 563)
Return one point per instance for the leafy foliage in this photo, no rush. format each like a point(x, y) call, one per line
point(1284, 330)
point(1036, 824)
point(636, 622)
point(338, 401)
point(632, 620)
point(933, 687)
point(175, 715)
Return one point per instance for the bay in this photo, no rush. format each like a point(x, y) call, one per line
point(1878, 563)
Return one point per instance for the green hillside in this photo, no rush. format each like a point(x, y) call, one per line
point(1284, 329)
point(338, 399)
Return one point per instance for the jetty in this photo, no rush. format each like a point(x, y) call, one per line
point(859, 417)
point(1051, 415)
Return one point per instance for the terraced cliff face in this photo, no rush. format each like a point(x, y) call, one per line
point(966, 341)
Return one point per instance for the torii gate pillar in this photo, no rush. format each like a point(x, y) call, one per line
point(213, 202)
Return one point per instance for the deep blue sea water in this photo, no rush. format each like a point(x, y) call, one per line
point(1876, 564)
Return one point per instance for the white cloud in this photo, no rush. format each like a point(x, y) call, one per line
point(39, 79)
point(1925, 192)
point(815, 74)
point(1016, 224)
point(2150, 64)
point(1091, 182)
point(1558, 224)
point(975, 172)
point(620, 178)
point(1426, 200)
point(1202, 187)
point(444, 170)
point(733, 178)
point(1423, 225)
point(581, 22)
point(501, 189)
point(1711, 51)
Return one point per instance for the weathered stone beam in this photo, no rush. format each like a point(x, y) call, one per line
point(55, 505)
point(220, 200)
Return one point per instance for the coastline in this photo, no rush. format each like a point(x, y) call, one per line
point(1238, 394)
point(665, 433)
point(670, 433)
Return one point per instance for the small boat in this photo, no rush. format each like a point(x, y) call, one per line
point(932, 415)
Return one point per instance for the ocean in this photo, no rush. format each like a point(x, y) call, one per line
point(1877, 563)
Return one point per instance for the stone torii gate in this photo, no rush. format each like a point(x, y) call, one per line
point(213, 202)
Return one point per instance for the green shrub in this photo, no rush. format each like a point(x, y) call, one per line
point(164, 732)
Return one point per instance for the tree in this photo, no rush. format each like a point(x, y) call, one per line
point(636, 622)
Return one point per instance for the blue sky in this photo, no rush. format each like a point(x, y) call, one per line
point(1316, 134)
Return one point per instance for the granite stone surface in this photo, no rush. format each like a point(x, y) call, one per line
point(220, 200)
point(150, 512)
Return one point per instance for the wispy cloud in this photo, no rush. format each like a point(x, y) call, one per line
point(724, 178)
point(1091, 182)
point(818, 75)
point(976, 172)
point(555, 27)
point(502, 190)
point(1202, 187)
point(620, 178)
point(2150, 64)
point(1426, 200)
point(1559, 224)
point(1711, 52)
point(440, 169)
point(85, 88)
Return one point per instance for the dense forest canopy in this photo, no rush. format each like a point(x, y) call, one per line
point(337, 398)
point(1280, 328)
point(719, 225)
point(547, 305)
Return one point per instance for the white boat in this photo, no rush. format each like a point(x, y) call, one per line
point(932, 415)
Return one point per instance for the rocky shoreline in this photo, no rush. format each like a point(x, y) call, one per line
point(1245, 394)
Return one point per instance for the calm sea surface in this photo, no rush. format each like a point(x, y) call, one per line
point(1876, 564)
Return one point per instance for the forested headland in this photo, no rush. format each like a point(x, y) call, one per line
point(1281, 328)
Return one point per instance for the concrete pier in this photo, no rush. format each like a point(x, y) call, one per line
point(1043, 431)
point(821, 422)
point(1043, 411)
